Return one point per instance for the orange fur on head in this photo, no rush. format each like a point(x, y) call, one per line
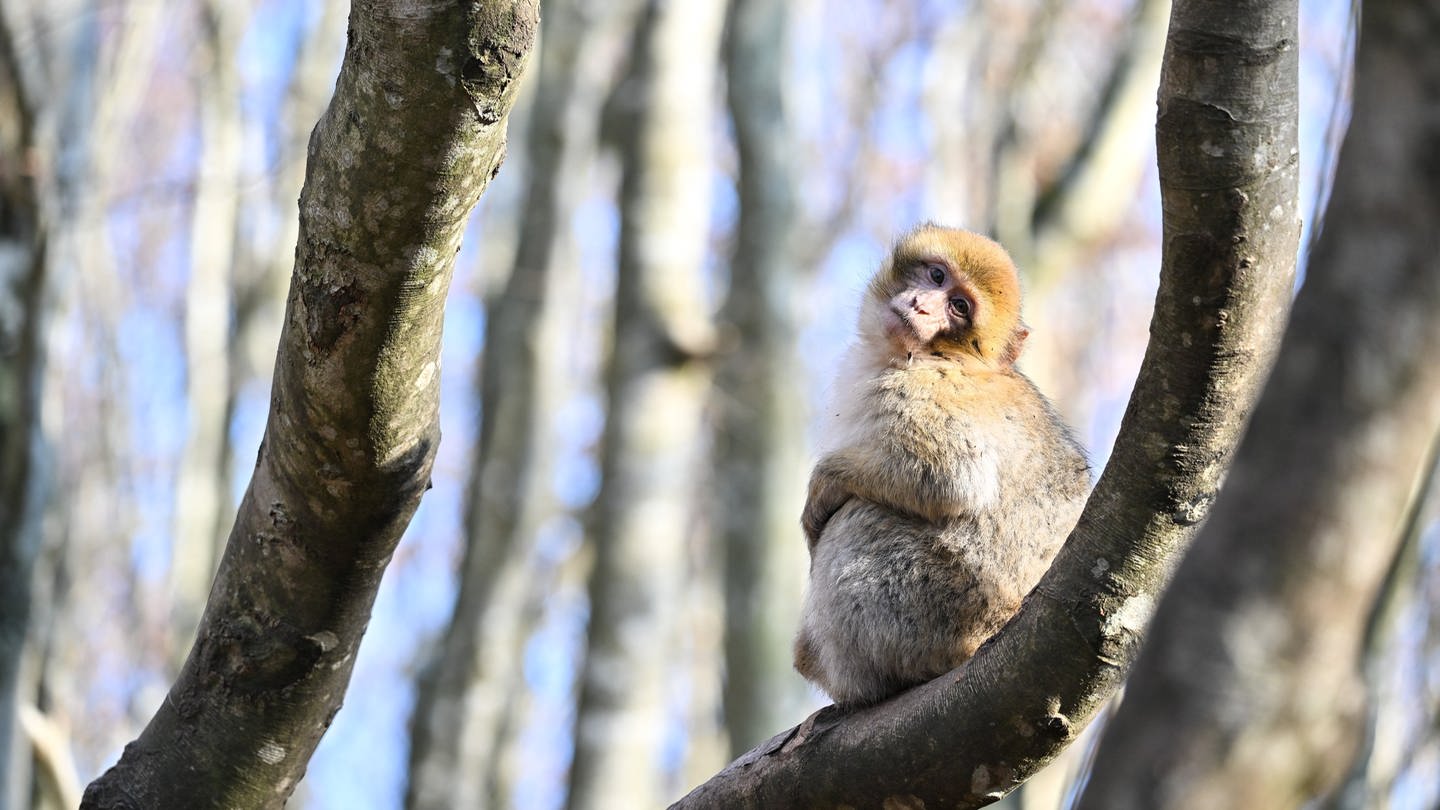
point(980, 270)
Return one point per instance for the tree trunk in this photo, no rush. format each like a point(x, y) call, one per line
point(1250, 692)
point(759, 436)
point(202, 496)
point(23, 317)
point(414, 133)
point(101, 69)
point(1228, 169)
point(645, 512)
point(1092, 194)
point(467, 699)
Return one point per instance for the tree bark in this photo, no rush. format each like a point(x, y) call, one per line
point(412, 136)
point(1228, 166)
point(1250, 693)
point(644, 515)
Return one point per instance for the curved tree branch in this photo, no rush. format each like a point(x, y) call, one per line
point(1228, 166)
point(415, 131)
point(1315, 510)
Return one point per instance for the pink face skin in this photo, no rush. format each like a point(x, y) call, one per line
point(934, 301)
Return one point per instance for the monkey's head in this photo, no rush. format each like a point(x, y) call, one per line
point(947, 293)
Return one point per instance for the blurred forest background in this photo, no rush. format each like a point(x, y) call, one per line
point(596, 598)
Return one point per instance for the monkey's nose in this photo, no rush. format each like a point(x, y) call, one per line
point(915, 305)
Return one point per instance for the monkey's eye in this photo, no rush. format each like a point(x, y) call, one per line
point(960, 306)
point(937, 274)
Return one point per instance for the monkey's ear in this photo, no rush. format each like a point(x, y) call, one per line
point(1017, 342)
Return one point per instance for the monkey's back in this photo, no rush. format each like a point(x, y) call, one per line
point(896, 599)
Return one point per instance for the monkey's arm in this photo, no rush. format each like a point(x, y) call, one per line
point(827, 494)
point(930, 485)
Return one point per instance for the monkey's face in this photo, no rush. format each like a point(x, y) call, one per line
point(933, 309)
point(947, 293)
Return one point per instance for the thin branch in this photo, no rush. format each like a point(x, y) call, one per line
point(54, 758)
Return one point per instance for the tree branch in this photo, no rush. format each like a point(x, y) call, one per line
point(415, 131)
point(1315, 507)
point(1228, 166)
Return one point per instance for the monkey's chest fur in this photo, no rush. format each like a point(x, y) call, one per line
point(897, 598)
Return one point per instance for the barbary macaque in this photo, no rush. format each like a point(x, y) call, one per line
point(947, 482)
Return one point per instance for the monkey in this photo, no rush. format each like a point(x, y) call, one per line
point(946, 481)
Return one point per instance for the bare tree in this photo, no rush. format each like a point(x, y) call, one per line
point(23, 317)
point(202, 497)
point(1228, 166)
point(1250, 691)
point(1051, 223)
point(655, 392)
point(397, 162)
point(759, 446)
point(97, 73)
point(467, 704)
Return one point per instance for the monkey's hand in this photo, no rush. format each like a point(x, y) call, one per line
point(828, 493)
